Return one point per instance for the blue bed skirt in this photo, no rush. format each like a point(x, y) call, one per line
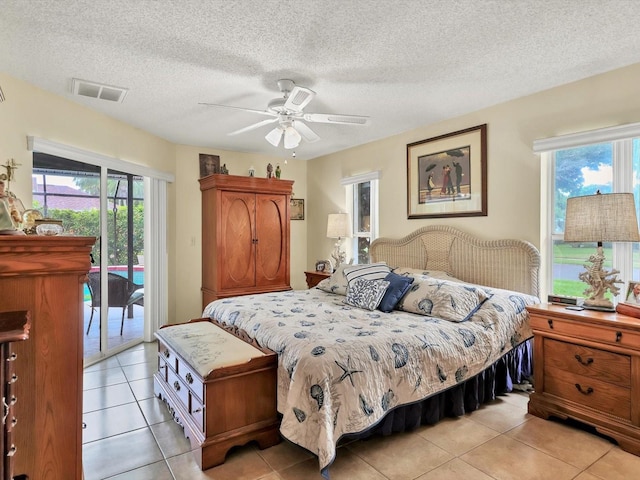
point(513, 368)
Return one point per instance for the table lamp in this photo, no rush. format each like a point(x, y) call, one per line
point(338, 226)
point(600, 218)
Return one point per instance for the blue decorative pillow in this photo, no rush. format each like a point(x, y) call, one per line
point(367, 294)
point(398, 286)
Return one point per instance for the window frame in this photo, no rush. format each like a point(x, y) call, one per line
point(350, 184)
point(621, 138)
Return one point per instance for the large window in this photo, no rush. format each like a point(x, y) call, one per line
point(587, 165)
point(362, 204)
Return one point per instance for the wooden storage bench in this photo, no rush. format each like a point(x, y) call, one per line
point(218, 386)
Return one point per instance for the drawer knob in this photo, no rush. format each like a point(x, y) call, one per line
point(189, 378)
point(166, 353)
point(589, 360)
point(550, 323)
point(588, 391)
point(197, 410)
point(176, 385)
point(618, 337)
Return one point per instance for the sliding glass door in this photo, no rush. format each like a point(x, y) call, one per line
point(109, 205)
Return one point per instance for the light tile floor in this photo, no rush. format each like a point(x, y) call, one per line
point(130, 435)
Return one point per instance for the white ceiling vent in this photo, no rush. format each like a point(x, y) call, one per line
point(98, 90)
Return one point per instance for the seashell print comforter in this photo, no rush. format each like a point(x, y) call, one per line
point(342, 368)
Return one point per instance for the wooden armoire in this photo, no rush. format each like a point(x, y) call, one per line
point(245, 235)
point(44, 276)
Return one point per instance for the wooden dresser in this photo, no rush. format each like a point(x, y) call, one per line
point(45, 276)
point(245, 236)
point(587, 367)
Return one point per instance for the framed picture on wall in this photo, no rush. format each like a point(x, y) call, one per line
point(209, 164)
point(447, 175)
point(296, 209)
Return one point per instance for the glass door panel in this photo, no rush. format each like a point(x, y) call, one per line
point(125, 233)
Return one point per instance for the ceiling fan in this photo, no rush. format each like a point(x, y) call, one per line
point(288, 113)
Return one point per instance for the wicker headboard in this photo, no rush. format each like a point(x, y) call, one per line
point(508, 264)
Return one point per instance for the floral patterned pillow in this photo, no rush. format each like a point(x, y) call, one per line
point(445, 299)
point(363, 293)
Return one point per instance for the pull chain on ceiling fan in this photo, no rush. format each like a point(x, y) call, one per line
point(288, 113)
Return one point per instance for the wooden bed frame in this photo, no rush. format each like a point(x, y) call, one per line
point(506, 264)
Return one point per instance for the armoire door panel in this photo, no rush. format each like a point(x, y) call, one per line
point(237, 240)
point(271, 233)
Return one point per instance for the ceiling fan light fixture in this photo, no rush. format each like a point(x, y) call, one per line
point(274, 136)
point(291, 138)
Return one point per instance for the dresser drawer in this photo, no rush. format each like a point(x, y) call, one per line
point(589, 362)
point(179, 388)
point(588, 391)
point(594, 332)
point(191, 378)
point(197, 412)
point(168, 355)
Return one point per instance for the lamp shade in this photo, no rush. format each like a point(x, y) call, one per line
point(338, 225)
point(601, 218)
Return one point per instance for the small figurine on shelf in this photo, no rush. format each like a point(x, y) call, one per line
point(224, 170)
point(269, 171)
point(278, 171)
point(252, 171)
point(10, 215)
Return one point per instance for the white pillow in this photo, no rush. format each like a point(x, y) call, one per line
point(452, 301)
point(368, 271)
point(336, 283)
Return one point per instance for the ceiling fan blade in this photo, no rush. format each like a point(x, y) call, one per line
point(274, 136)
point(250, 110)
point(254, 126)
point(299, 98)
point(306, 133)
point(336, 118)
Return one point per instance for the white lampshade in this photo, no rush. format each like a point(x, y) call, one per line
point(274, 136)
point(338, 225)
point(601, 218)
point(291, 138)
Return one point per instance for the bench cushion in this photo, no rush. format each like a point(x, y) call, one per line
point(206, 347)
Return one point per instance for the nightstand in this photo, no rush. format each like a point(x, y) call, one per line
point(587, 367)
point(314, 278)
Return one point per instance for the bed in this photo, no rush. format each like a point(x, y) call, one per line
point(456, 337)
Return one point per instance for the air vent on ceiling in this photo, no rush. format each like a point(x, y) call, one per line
point(98, 90)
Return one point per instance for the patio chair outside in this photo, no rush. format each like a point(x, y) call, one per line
point(122, 293)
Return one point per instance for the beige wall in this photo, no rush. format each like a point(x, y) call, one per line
point(514, 172)
point(188, 221)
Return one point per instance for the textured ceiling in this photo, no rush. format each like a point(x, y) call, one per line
point(402, 63)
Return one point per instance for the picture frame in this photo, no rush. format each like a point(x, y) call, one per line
point(447, 175)
point(632, 296)
point(296, 209)
point(209, 164)
point(324, 266)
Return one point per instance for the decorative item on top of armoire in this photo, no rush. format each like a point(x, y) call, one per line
point(209, 164)
point(278, 171)
point(245, 236)
point(45, 276)
point(269, 170)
